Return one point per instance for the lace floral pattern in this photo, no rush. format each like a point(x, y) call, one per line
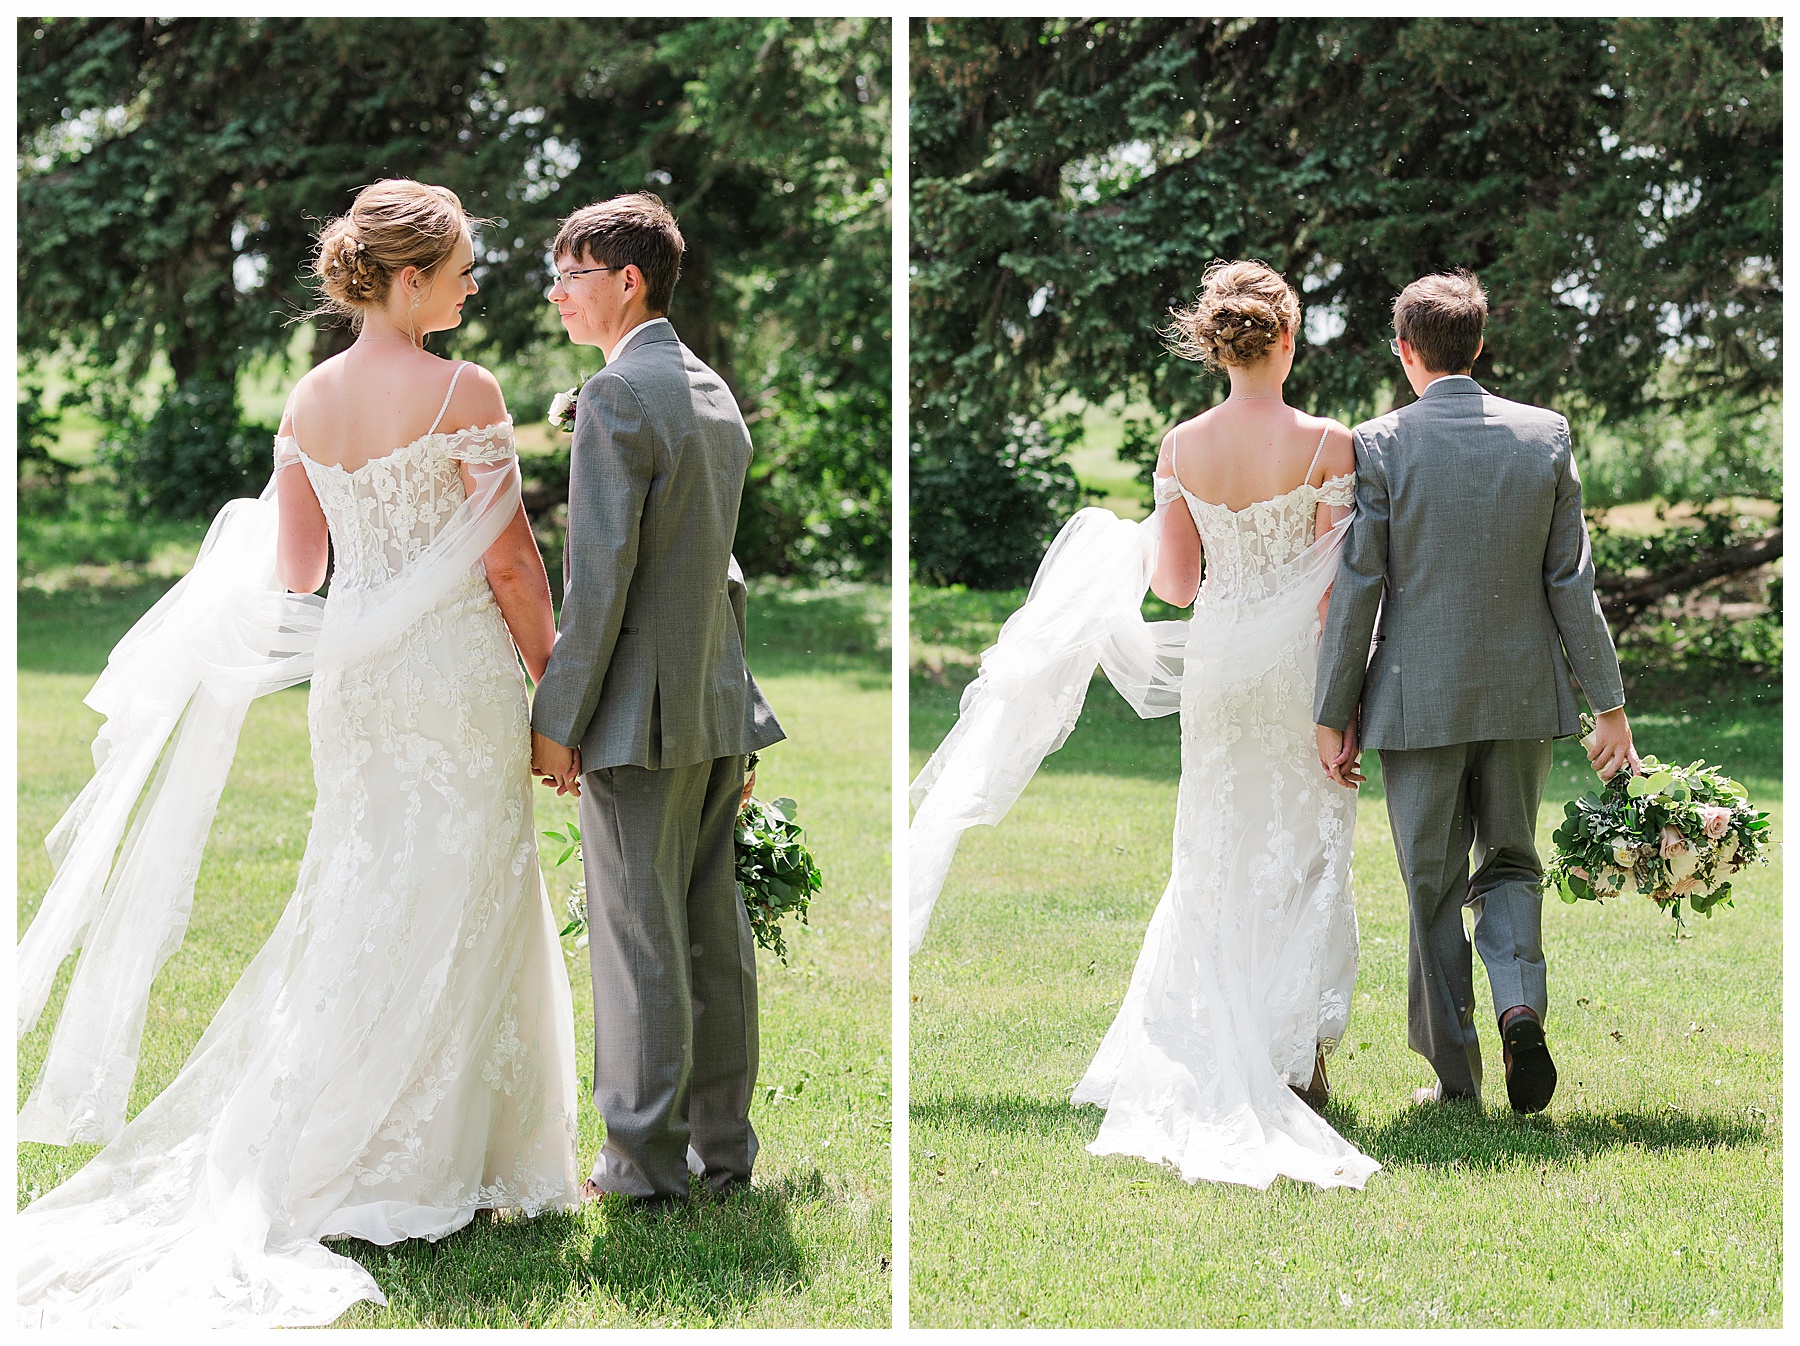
point(1250, 959)
point(401, 1051)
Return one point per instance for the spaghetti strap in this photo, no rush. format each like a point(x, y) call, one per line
point(451, 392)
point(1175, 458)
point(1316, 452)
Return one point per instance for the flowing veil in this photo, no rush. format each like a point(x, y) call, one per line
point(174, 693)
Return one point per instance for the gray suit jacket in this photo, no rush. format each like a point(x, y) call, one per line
point(648, 668)
point(1470, 544)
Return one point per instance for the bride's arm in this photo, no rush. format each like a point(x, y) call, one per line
point(515, 572)
point(515, 567)
point(1336, 459)
point(302, 539)
point(1176, 578)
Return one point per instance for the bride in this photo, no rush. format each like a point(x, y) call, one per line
point(400, 1054)
point(1216, 1062)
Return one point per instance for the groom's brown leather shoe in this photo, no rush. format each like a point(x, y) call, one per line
point(1530, 1073)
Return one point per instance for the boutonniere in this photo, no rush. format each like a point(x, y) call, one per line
point(562, 408)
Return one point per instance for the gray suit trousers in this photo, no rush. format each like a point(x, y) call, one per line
point(1441, 801)
point(674, 966)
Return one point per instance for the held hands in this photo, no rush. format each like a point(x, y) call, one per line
point(1609, 747)
point(749, 785)
point(1338, 750)
point(553, 764)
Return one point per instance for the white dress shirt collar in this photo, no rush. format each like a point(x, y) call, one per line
point(1441, 377)
point(619, 345)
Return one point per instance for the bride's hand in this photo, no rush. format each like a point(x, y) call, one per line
point(554, 764)
point(1338, 753)
point(1350, 757)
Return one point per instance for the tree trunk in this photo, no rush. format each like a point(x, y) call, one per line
point(1623, 600)
point(692, 311)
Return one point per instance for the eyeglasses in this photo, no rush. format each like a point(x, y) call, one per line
point(1394, 346)
point(564, 277)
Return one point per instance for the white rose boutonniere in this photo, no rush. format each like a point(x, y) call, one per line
point(562, 409)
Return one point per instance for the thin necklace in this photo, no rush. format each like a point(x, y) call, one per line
point(361, 339)
point(1253, 397)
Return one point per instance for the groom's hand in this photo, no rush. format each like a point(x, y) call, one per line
point(1609, 747)
point(553, 764)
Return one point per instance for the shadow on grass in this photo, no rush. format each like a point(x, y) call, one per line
point(840, 630)
point(1011, 1114)
point(1448, 1136)
point(700, 1263)
point(74, 631)
point(1463, 1136)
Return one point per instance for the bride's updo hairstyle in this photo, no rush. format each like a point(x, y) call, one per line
point(393, 224)
point(1237, 318)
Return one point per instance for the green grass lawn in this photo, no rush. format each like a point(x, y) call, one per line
point(1648, 1195)
point(809, 1244)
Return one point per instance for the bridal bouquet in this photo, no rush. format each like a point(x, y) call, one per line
point(776, 872)
point(1672, 834)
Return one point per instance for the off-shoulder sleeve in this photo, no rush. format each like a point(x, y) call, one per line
point(483, 444)
point(1165, 489)
point(1339, 491)
point(287, 452)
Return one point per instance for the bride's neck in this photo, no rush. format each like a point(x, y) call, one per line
point(1255, 384)
point(377, 327)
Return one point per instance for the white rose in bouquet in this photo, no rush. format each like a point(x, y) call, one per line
point(1683, 863)
point(1624, 854)
point(562, 409)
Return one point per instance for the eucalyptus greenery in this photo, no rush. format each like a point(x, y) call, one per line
point(777, 874)
point(1669, 833)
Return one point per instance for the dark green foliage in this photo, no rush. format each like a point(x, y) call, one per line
point(173, 172)
point(1616, 184)
point(192, 454)
point(978, 517)
point(43, 479)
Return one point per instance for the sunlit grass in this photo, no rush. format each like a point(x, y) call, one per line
point(1648, 1195)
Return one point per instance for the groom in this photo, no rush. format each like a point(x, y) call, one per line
point(647, 710)
point(1469, 544)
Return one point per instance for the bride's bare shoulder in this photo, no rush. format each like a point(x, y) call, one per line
point(477, 401)
point(1337, 453)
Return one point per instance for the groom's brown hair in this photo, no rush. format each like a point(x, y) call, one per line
point(635, 230)
point(1441, 318)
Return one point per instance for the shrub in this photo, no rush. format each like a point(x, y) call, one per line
point(191, 455)
point(984, 515)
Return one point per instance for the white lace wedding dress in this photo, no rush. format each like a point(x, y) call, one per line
point(1250, 957)
point(400, 1054)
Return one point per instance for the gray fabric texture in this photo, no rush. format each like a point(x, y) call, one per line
point(1469, 544)
point(674, 969)
point(1441, 803)
point(648, 668)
